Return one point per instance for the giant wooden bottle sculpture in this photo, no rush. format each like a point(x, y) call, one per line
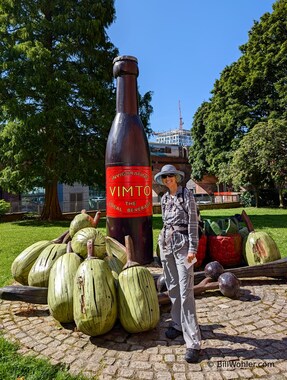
point(128, 167)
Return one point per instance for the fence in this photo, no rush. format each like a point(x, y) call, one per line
point(100, 204)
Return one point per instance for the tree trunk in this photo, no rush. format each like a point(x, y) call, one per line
point(281, 203)
point(51, 209)
point(256, 196)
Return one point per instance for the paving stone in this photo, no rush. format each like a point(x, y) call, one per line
point(140, 356)
point(163, 376)
point(245, 373)
point(156, 358)
point(229, 375)
point(126, 373)
point(110, 370)
point(105, 377)
point(250, 331)
point(195, 376)
point(160, 367)
point(178, 367)
point(179, 376)
point(58, 355)
point(259, 372)
point(169, 358)
point(145, 375)
point(213, 376)
point(140, 365)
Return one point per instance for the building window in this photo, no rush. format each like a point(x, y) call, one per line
point(76, 201)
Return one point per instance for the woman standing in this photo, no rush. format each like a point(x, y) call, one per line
point(178, 243)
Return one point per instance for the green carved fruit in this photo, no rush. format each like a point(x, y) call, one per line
point(61, 287)
point(95, 301)
point(137, 296)
point(260, 248)
point(115, 265)
point(23, 263)
point(40, 271)
point(80, 221)
point(115, 248)
point(80, 239)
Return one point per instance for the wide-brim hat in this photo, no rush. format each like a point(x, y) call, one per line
point(169, 169)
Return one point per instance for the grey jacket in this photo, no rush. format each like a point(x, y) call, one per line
point(179, 214)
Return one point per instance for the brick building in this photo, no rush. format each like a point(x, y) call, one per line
point(162, 154)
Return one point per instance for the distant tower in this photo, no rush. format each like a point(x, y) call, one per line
point(180, 117)
point(178, 136)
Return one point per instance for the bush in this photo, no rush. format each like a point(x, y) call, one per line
point(247, 199)
point(268, 197)
point(4, 206)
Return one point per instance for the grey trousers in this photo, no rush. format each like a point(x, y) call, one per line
point(179, 281)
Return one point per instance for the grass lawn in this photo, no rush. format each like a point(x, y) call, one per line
point(16, 236)
point(16, 367)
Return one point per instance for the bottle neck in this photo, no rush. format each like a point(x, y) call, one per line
point(127, 95)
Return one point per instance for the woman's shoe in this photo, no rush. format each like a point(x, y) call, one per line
point(172, 333)
point(192, 355)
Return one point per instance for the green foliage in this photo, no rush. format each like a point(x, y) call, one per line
point(248, 92)
point(247, 199)
point(4, 206)
point(57, 95)
point(198, 151)
point(145, 110)
point(14, 366)
point(261, 157)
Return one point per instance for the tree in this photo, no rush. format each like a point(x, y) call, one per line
point(260, 159)
point(56, 89)
point(145, 110)
point(249, 91)
point(57, 95)
point(271, 139)
point(243, 170)
point(198, 151)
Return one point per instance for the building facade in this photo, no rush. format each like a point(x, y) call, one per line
point(163, 154)
point(179, 136)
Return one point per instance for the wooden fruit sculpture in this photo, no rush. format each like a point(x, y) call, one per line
point(229, 285)
point(61, 286)
point(95, 303)
point(137, 295)
point(115, 248)
point(260, 248)
point(40, 271)
point(80, 239)
point(82, 220)
point(23, 263)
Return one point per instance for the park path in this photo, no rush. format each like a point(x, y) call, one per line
point(242, 339)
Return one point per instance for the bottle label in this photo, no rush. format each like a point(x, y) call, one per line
point(128, 191)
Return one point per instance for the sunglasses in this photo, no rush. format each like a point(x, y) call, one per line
point(167, 175)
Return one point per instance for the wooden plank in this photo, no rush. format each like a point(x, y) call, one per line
point(30, 294)
point(274, 269)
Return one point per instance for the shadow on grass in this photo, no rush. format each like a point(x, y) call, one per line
point(57, 223)
point(269, 221)
point(42, 223)
point(258, 221)
point(157, 222)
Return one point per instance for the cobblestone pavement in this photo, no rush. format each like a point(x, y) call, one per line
point(242, 339)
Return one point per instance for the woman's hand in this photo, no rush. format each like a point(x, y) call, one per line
point(190, 256)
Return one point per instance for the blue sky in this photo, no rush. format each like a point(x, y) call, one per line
point(182, 47)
